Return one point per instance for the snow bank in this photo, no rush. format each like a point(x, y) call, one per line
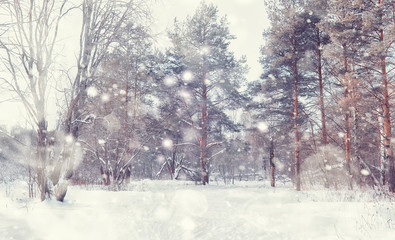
point(182, 210)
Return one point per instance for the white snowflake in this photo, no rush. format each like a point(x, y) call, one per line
point(167, 143)
point(205, 50)
point(365, 172)
point(262, 126)
point(185, 94)
point(69, 139)
point(187, 76)
point(105, 98)
point(160, 159)
point(170, 81)
point(92, 92)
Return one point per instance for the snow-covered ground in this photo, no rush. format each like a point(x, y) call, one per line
point(180, 210)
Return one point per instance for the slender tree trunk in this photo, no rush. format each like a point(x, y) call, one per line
point(389, 159)
point(203, 140)
point(321, 86)
point(272, 166)
point(347, 117)
point(380, 124)
point(322, 107)
point(387, 127)
point(296, 115)
point(42, 159)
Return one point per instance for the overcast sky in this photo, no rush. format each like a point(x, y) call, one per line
point(247, 19)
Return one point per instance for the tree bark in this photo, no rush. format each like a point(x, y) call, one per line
point(203, 140)
point(296, 114)
point(347, 117)
point(381, 157)
point(321, 86)
point(322, 107)
point(272, 166)
point(387, 121)
point(42, 159)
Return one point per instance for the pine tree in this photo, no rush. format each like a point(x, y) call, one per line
point(284, 82)
point(212, 75)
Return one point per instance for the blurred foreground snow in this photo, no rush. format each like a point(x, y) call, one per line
point(180, 210)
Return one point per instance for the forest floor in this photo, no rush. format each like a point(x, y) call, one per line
point(180, 210)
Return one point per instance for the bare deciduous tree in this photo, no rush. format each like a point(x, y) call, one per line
point(29, 46)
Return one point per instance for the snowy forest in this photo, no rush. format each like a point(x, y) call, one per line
point(112, 111)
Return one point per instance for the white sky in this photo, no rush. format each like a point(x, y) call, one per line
point(247, 19)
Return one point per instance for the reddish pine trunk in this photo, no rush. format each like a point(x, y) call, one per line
point(347, 118)
point(296, 115)
point(387, 119)
point(380, 124)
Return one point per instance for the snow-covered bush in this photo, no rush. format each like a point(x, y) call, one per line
point(327, 167)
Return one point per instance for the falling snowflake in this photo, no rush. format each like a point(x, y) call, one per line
point(105, 98)
point(69, 139)
point(167, 143)
point(170, 81)
point(187, 76)
point(92, 92)
point(122, 92)
point(262, 126)
point(365, 172)
point(160, 159)
point(308, 20)
point(101, 141)
point(185, 94)
point(205, 50)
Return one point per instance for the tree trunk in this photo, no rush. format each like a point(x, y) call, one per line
point(203, 140)
point(272, 166)
point(389, 159)
point(321, 86)
point(296, 115)
point(387, 128)
point(380, 124)
point(42, 159)
point(347, 117)
point(322, 107)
